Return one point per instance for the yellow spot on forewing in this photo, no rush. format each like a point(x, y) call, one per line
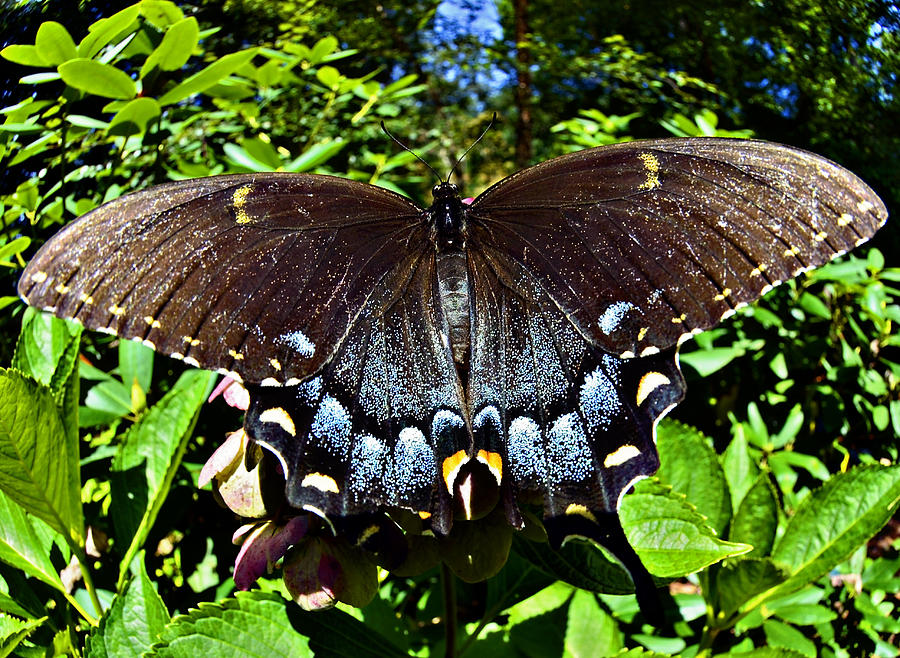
point(820, 236)
point(759, 269)
point(237, 356)
point(649, 383)
point(793, 251)
point(275, 363)
point(193, 342)
point(321, 482)
point(845, 219)
point(117, 310)
point(642, 332)
point(153, 322)
point(681, 318)
point(61, 288)
point(281, 418)
point(39, 277)
point(621, 455)
point(85, 298)
point(726, 292)
point(865, 206)
point(239, 199)
point(651, 166)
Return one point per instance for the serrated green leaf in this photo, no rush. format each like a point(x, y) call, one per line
point(834, 520)
point(209, 76)
point(47, 348)
point(23, 547)
point(37, 469)
point(669, 535)
point(133, 622)
point(577, 563)
point(590, 630)
point(97, 78)
point(26, 55)
point(14, 631)
point(107, 29)
point(756, 521)
point(691, 467)
point(54, 43)
point(144, 466)
point(135, 117)
point(175, 48)
point(261, 624)
point(738, 581)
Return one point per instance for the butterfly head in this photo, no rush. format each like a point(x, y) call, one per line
point(444, 190)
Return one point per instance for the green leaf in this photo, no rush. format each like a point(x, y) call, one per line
point(135, 117)
point(740, 470)
point(135, 369)
point(669, 535)
point(106, 29)
point(206, 78)
point(590, 630)
point(149, 456)
point(804, 615)
point(47, 348)
point(710, 360)
point(37, 468)
point(26, 55)
point(133, 622)
point(97, 78)
point(579, 564)
point(756, 521)
point(315, 155)
point(175, 48)
point(788, 637)
point(263, 624)
point(54, 43)
point(738, 581)
point(14, 631)
point(835, 520)
point(86, 122)
point(13, 248)
point(111, 397)
point(763, 652)
point(691, 466)
point(23, 547)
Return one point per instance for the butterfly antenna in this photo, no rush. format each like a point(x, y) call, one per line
point(460, 158)
point(409, 150)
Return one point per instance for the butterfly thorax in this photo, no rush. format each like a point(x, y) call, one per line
point(447, 215)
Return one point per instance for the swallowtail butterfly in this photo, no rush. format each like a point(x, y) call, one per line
point(527, 341)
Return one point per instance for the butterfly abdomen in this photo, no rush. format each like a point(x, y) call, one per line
point(453, 286)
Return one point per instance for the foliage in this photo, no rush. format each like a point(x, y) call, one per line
point(769, 491)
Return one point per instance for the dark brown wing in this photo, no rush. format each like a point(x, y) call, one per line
point(644, 243)
point(256, 275)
